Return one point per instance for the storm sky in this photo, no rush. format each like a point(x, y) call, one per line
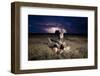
point(49, 24)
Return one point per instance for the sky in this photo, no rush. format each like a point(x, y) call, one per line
point(49, 24)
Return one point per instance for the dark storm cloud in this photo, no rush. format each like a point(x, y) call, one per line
point(73, 25)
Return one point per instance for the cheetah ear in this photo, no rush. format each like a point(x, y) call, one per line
point(62, 30)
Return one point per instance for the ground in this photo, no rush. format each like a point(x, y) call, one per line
point(38, 49)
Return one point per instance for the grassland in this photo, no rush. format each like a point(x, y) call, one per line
point(38, 48)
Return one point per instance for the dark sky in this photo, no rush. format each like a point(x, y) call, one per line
point(47, 24)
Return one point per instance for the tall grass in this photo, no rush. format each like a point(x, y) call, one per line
point(39, 50)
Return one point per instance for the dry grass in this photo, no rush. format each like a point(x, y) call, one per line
point(39, 50)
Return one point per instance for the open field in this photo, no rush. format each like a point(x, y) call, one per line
point(76, 47)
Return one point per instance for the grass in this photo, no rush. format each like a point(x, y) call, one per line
point(39, 50)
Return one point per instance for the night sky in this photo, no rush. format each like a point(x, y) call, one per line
point(49, 24)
